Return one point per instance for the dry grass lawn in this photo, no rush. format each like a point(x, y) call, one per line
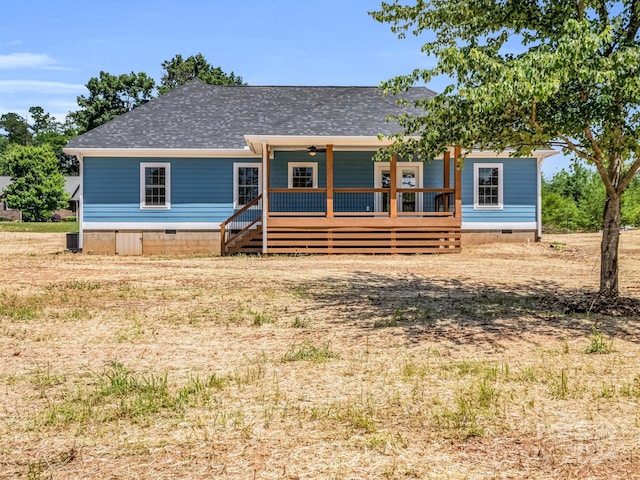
point(486, 364)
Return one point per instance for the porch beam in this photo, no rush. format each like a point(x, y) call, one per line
point(329, 181)
point(457, 153)
point(393, 193)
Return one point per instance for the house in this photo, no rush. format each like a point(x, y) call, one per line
point(71, 186)
point(224, 169)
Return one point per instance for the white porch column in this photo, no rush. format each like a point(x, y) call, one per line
point(539, 199)
point(265, 194)
point(80, 207)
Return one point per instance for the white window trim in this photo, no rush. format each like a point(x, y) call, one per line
point(476, 187)
point(236, 179)
point(167, 167)
point(377, 179)
point(313, 165)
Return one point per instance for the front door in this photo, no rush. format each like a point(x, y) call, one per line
point(408, 175)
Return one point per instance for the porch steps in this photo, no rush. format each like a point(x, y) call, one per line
point(368, 240)
point(247, 242)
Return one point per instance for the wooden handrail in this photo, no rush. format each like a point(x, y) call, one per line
point(223, 225)
point(242, 210)
point(246, 227)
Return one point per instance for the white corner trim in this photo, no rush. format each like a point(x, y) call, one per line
point(539, 197)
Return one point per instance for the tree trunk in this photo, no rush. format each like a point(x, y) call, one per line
point(609, 247)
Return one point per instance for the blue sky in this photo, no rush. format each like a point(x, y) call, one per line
point(50, 49)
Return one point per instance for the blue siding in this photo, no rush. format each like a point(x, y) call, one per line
point(520, 191)
point(280, 167)
point(433, 175)
point(353, 170)
point(201, 190)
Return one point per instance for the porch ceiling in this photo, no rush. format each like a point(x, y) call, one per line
point(285, 142)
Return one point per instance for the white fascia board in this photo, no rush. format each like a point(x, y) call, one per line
point(538, 154)
point(151, 226)
point(294, 142)
point(499, 225)
point(163, 152)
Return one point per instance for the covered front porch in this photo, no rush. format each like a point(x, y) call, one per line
point(395, 213)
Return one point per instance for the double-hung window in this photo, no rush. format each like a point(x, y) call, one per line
point(303, 175)
point(247, 183)
point(155, 186)
point(488, 186)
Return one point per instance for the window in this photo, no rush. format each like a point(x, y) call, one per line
point(303, 175)
point(488, 186)
point(155, 182)
point(247, 183)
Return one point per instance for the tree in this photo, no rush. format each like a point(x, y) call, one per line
point(570, 183)
point(591, 204)
point(558, 210)
point(572, 82)
point(48, 131)
point(37, 187)
point(111, 96)
point(4, 144)
point(42, 122)
point(16, 128)
point(178, 71)
point(574, 200)
point(631, 204)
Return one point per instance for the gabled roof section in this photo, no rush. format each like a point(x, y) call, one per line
point(201, 116)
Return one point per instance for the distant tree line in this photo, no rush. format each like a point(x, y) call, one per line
point(112, 95)
point(573, 200)
point(28, 145)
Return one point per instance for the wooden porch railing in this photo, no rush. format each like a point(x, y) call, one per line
point(292, 205)
point(361, 202)
point(240, 223)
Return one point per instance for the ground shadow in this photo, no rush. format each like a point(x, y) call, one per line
point(467, 312)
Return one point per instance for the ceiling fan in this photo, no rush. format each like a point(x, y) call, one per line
point(313, 150)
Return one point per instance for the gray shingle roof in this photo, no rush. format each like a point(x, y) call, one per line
point(198, 115)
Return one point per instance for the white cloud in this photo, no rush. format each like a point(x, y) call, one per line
point(38, 86)
point(26, 60)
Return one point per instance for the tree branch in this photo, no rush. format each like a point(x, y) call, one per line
point(633, 171)
point(580, 9)
point(634, 22)
point(603, 13)
point(566, 143)
point(599, 163)
point(594, 144)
